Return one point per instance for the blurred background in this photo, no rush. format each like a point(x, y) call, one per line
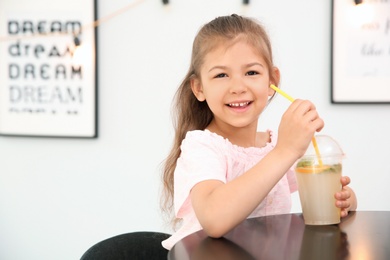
point(59, 196)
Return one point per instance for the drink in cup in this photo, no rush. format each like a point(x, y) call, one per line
point(318, 176)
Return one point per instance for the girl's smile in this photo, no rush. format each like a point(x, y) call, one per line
point(239, 106)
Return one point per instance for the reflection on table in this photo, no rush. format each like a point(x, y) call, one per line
point(361, 235)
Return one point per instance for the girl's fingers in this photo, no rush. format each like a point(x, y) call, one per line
point(303, 106)
point(342, 195)
point(311, 115)
point(343, 204)
point(345, 180)
point(344, 213)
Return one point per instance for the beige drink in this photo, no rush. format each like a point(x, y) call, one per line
point(317, 187)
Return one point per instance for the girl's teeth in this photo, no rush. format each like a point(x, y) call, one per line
point(238, 104)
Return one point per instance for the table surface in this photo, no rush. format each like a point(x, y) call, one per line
point(361, 235)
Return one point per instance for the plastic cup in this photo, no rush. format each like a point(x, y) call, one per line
point(319, 180)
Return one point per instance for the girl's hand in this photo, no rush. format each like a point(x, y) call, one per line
point(297, 127)
point(345, 199)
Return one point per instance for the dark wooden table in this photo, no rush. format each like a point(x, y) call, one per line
point(363, 235)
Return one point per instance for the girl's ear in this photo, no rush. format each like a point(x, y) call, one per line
point(275, 79)
point(197, 89)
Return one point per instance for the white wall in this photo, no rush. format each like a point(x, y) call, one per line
point(60, 196)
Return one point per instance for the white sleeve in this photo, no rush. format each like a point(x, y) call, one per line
point(200, 159)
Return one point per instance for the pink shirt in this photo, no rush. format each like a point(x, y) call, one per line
point(208, 156)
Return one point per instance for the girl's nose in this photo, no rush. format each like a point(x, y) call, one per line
point(238, 87)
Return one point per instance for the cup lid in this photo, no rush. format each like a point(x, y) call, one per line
point(327, 146)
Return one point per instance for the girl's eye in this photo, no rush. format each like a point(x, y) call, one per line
point(252, 73)
point(221, 75)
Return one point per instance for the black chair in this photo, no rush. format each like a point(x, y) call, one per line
point(142, 245)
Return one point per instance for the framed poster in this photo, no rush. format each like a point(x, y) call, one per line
point(48, 65)
point(360, 52)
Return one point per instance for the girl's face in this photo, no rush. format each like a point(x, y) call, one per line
point(234, 82)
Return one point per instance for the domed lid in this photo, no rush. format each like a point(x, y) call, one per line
point(328, 152)
point(326, 145)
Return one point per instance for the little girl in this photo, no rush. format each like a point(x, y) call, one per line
point(220, 170)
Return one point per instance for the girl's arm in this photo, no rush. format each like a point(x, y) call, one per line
point(220, 207)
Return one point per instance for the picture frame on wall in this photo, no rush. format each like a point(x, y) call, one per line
point(360, 63)
point(48, 68)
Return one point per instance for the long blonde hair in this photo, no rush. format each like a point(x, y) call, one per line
point(190, 114)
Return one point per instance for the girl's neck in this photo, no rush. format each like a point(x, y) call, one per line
point(240, 136)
